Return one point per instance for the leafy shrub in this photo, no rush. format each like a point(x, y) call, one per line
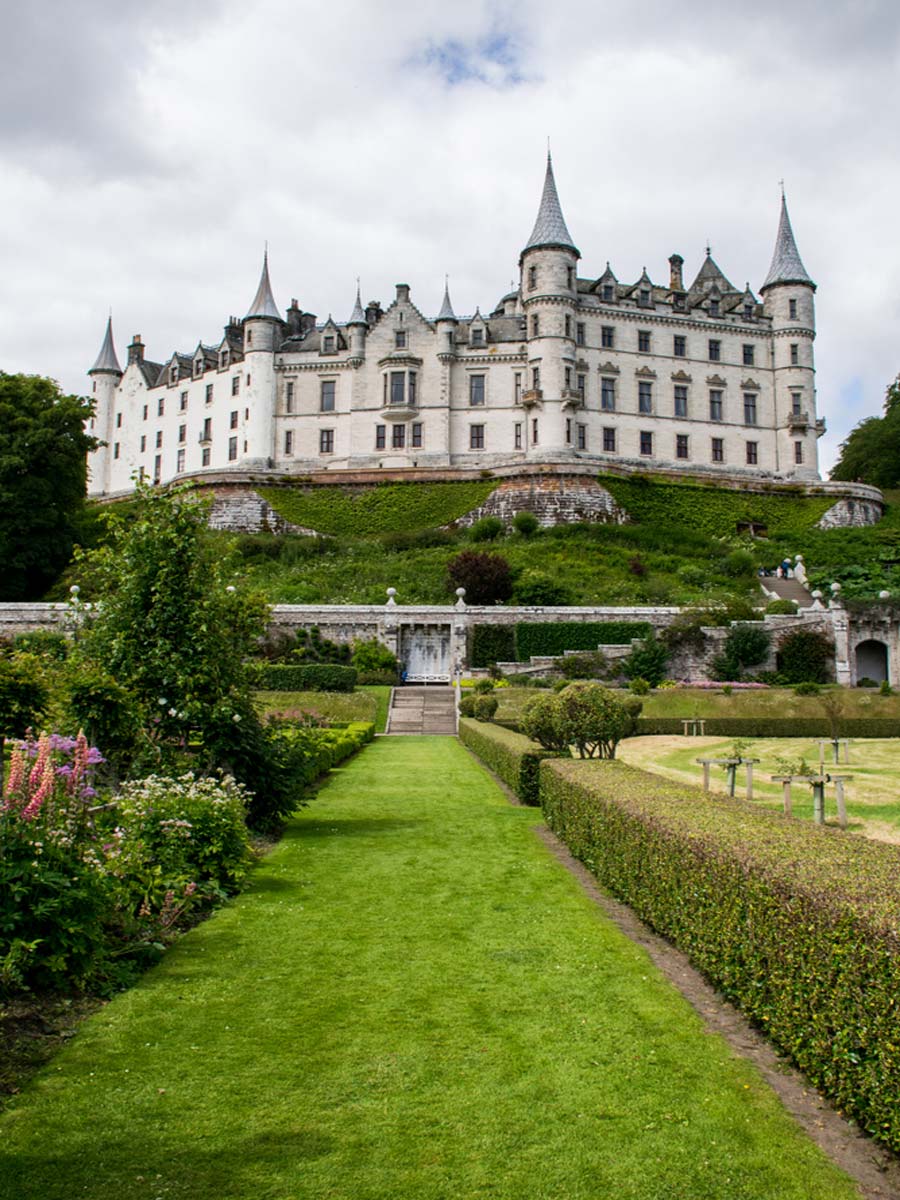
point(597, 719)
point(637, 566)
point(486, 577)
point(311, 647)
point(583, 666)
point(492, 644)
point(648, 660)
point(485, 707)
point(640, 687)
point(745, 646)
point(544, 721)
point(372, 655)
point(107, 712)
point(422, 539)
point(795, 924)
point(805, 656)
point(782, 607)
point(24, 694)
point(467, 706)
point(526, 524)
point(510, 755)
point(484, 686)
point(737, 563)
point(885, 689)
point(866, 682)
point(539, 638)
point(536, 589)
point(43, 643)
point(807, 688)
point(306, 677)
point(486, 529)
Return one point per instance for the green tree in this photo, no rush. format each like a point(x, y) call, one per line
point(872, 451)
point(43, 480)
point(24, 697)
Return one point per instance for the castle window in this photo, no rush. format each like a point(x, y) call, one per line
point(581, 436)
point(247, 381)
point(182, 433)
point(476, 437)
point(644, 297)
point(143, 442)
point(118, 420)
point(398, 437)
point(646, 442)
point(209, 393)
point(182, 402)
point(232, 449)
point(609, 440)
point(798, 452)
point(233, 420)
point(714, 308)
point(643, 341)
point(715, 406)
point(173, 373)
point(476, 390)
point(398, 387)
point(792, 309)
point(715, 350)
point(289, 396)
point(411, 388)
point(536, 378)
point(198, 367)
point(204, 458)
point(235, 384)
point(535, 325)
point(179, 462)
point(400, 339)
point(145, 412)
point(681, 445)
point(249, 337)
point(532, 278)
point(476, 337)
point(570, 277)
point(517, 435)
point(206, 435)
point(718, 450)
point(157, 468)
point(645, 397)
point(534, 431)
point(328, 343)
point(748, 312)
point(289, 441)
point(681, 400)
point(568, 431)
point(326, 395)
point(160, 407)
point(223, 359)
point(796, 404)
point(326, 441)
point(568, 378)
point(678, 302)
point(416, 435)
point(380, 431)
point(581, 384)
point(607, 336)
point(568, 326)
point(159, 439)
point(608, 395)
point(795, 354)
point(579, 333)
point(752, 454)
point(679, 345)
point(748, 350)
point(116, 450)
point(608, 291)
point(517, 387)
point(749, 408)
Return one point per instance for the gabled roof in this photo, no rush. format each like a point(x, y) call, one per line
point(550, 227)
point(106, 359)
point(709, 276)
point(264, 302)
point(787, 266)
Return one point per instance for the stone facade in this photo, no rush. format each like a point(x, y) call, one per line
point(568, 368)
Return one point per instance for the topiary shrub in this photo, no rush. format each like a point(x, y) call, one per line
point(807, 688)
point(486, 529)
point(485, 707)
point(526, 524)
point(484, 687)
point(467, 706)
point(805, 656)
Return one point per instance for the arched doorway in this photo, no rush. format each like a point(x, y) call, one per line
point(872, 660)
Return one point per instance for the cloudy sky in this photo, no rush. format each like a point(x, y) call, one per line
point(148, 151)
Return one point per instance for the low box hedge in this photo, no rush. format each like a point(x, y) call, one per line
point(512, 756)
point(798, 925)
point(305, 677)
point(775, 727)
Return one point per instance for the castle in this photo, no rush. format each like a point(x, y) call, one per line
point(705, 378)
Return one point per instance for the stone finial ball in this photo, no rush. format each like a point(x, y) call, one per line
point(835, 587)
point(392, 591)
point(817, 595)
point(885, 595)
point(460, 592)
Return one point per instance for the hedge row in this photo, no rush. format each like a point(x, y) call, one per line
point(305, 677)
point(492, 644)
point(517, 643)
point(510, 755)
point(775, 727)
point(796, 924)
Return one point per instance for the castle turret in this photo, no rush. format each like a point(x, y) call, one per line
point(549, 290)
point(105, 375)
point(357, 328)
point(788, 300)
point(263, 328)
point(445, 323)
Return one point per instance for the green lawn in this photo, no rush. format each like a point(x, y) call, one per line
point(413, 1001)
point(366, 703)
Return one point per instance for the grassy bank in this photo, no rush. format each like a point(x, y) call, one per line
point(366, 703)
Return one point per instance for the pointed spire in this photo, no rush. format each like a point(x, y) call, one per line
point(446, 313)
point(264, 302)
point(550, 226)
point(106, 359)
point(358, 316)
point(787, 266)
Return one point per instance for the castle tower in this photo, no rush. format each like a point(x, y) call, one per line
point(105, 375)
point(549, 288)
point(263, 328)
point(357, 327)
point(788, 300)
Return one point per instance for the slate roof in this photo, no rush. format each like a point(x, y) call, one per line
point(264, 302)
point(787, 266)
point(358, 316)
point(550, 227)
point(446, 313)
point(106, 359)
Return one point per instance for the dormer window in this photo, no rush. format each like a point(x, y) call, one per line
point(328, 343)
point(678, 302)
point(644, 297)
point(714, 308)
point(476, 337)
point(223, 359)
point(198, 367)
point(748, 312)
point(400, 339)
point(173, 373)
point(607, 291)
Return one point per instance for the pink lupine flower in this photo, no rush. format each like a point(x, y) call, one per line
point(14, 779)
point(45, 789)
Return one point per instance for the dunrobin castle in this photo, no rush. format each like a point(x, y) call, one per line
point(700, 376)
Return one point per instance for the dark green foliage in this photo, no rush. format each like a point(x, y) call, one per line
point(745, 646)
point(513, 757)
point(24, 694)
point(311, 647)
point(533, 588)
point(795, 924)
point(108, 713)
point(306, 677)
point(805, 656)
point(43, 643)
point(526, 524)
point(555, 637)
point(775, 727)
point(467, 706)
point(492, 644)
point(597, 718)
point(648, 660)
point(486, 577)
point(587, 665)
point(485, 707)
point(484, 687)
point(423, 539)
point(872, 451)
point(379, 509)
point(782, 607)
point(486, 529)
point(808, 688)
point(43, 477)
point(373, 657)
point(738, 562)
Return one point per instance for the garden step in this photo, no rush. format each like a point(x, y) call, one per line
point(423, 710)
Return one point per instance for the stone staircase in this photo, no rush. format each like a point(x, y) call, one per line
point(789, 589)
point(423, 710)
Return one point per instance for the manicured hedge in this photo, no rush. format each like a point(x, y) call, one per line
point(305, 677)
point(492, 644)
point(555, 637)
point(799, 925)
point(510, 755)
point(775, 727)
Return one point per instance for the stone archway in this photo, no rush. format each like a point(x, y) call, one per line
point(872, 660)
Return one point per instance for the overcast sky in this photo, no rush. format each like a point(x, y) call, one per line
point(149, 150)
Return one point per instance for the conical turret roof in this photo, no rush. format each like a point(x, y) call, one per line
point(446, 313)
point(106, 359)
point(264, 302)
point(358, 316)
point(550, 227)
point(787, 266)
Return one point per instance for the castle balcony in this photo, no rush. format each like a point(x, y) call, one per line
point(798, 421)
point(531, 397)
point(399, 412)
point(571, 398)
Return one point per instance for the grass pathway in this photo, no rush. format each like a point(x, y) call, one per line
point(414, 1001)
